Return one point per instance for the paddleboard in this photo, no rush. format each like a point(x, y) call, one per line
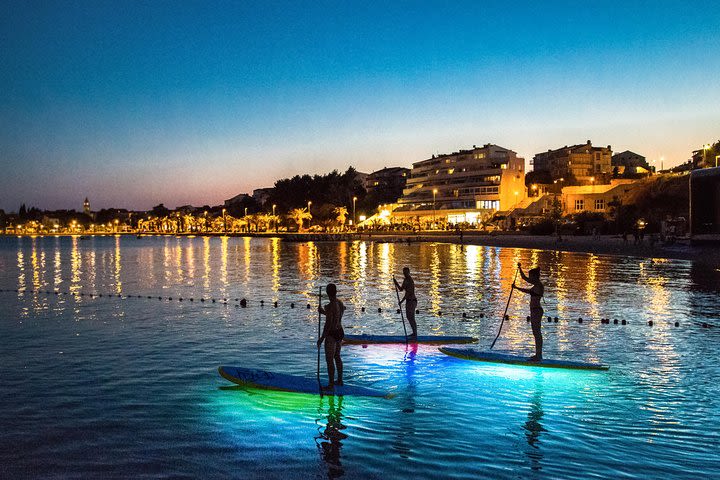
point(291, 383)
point(469, 354)
point(427, 339)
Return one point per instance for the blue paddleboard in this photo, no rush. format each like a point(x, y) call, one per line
point(428, 339)
point(469, 354)
point(291, 383)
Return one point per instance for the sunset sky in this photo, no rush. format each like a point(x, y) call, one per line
point(134, 103)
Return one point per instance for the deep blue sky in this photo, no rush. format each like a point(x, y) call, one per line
point(133, 103)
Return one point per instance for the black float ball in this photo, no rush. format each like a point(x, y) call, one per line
point(170, 298)
point(213, 300)
point(677, 324)
point(243, 303)
point(650, 323)
point(379, 310)
point(262, 303)
point(180, 299)
point(440, 314)
point(615, 321)
point(482, 315)
point(202, 299)
point(275, 304)
point(308, 306)
point(507, 317)
point(362, 309)
point(192, 299)
point(549, 319)
point(398, 311)
point(624, 322)
point(417, 312)
point(292, 305)
point(464, 315)
point(580, 320)
point(556, 320)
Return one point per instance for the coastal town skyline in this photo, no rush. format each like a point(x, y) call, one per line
point(193, 105)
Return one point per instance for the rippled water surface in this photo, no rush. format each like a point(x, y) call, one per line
point(120, 386)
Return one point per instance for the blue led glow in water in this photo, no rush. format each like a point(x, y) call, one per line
point(128, 387)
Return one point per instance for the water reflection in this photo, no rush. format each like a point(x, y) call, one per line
point(403, 438)
point(533, 428)
point(330, 438)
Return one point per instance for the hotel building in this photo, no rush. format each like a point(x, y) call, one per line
point(465, 186)
point(578, 164)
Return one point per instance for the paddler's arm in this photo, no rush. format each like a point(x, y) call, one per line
point(524, 290)
point(522, 274)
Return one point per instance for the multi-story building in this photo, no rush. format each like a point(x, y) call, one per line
point(261, 195)
point(388, 178)
point(580, 164)
point(387, 184)
point(465, 186)
point(629, 162)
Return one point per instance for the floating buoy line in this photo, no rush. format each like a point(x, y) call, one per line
point(244, 303)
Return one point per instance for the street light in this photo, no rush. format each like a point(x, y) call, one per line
point(706, 147)
point(434, 193)
point(275, 219)
point(354, 221)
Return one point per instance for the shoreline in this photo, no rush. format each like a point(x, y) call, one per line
point(603, 245)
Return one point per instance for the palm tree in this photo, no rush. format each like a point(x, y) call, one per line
point(300, 214)
point(342, 214)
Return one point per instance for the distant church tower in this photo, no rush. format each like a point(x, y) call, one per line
point(86, 206)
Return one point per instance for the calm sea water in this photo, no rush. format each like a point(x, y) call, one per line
point(128, 387)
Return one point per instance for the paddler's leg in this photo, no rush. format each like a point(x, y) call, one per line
point(329, 359)
point(338, 363)
point(536, 323)
point(410, 306)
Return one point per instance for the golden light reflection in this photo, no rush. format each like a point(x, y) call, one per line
point(275, 259)
point(591, 286)
point(385, 253)
point(342, 258)
point(224, 262)
point(179, 265)
point(118, 266)
point(75, 265)
point(190, 264)
point(21, 268)
point(247, 258)
point(359, 264)
point(58, 278)
point(167, 261)
point(206, 263)
point(434, 291)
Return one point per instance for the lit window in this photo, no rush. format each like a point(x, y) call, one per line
point(599, 204)
point(579, 204)
point(503, 166)
point(451, 170)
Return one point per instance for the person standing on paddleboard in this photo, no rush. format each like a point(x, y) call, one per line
point(333, 335)
point(408, 286)
point(536, 311)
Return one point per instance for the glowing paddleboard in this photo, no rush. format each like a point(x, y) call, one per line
point(291, 383)
point(469, 354)
point(427, 339)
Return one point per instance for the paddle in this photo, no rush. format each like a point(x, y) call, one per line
point(506, 309)
point(400, 308)
point(318, 347)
